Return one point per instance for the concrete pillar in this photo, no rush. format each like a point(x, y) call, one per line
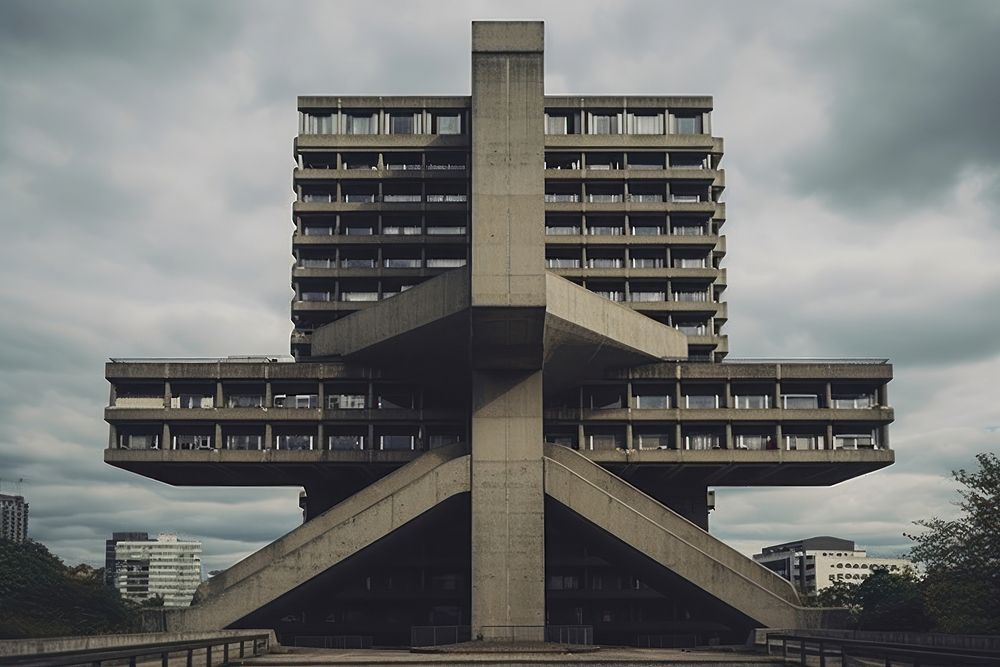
point(507, 294)
point(218, 435)
point(165, 441)
point(508, 500)
point(508, 176)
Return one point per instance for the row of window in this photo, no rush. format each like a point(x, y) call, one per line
point(613, 121)
point(638, 192)
point(370, 195)
point(152, 397)
point(402, 121)
point(451, 121)
point(401, 262)
point(672, 436)
point(388, 161)
point(563, 257)
point(640, 160)
point(389, 441)
point(457, 161)
point(632, 225)
point(664, 397)
point(645, 438)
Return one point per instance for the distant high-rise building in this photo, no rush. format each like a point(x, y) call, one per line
point(510, 392)
point(141, 568)
point(815, 563)
point(13, 518)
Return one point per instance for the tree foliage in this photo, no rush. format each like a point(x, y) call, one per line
point(961, 557)
point(41, 597)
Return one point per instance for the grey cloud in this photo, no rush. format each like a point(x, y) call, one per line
point(911, 97)
point(144, 173)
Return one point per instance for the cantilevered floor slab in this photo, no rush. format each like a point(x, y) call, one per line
point(578, 334)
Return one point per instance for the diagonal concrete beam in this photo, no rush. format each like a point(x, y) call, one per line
point(329, 539)
point(668, 539)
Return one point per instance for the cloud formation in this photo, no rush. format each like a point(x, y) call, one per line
point(145, 156)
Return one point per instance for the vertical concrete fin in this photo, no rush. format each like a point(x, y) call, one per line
point(508, 211)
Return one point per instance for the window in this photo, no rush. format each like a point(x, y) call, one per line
point(317, 123)
point(604, 123)
point(659, 440)
point(854, 441)
point(360, 124)
point(701, 401)
point(753, 401)
point(448, 123)
point(346, 401)
point(299, 401)
point(645, 123)
point(346, 442)
point(703, 441)
point(799, 401)
point(294, 442)
point(689, 123)
point(245, 401)
point(243, 442)
point(560, 122)
point(403, 123)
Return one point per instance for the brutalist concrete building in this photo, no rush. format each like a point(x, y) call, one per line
point(510, 392)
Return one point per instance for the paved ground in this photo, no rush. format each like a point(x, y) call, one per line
point(606, 656)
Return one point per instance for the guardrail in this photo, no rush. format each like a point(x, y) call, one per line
point(216, 651)
point(805, 360)
point(439, 635)
point(807, 649)
point(333, 641)
point(559, 634)
point(237, 359)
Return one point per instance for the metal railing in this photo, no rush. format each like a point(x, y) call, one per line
point(239, 359)
point(439, 635)
point(333, 641)
point(805, 360)
point(216, 651)
point(559, 634)
point(815, 649)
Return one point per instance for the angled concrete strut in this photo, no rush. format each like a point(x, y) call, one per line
point(327, 540)
point(672, 541)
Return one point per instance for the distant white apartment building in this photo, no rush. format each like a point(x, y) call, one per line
point(167, 566)
point(13, 518)
point(814, 563)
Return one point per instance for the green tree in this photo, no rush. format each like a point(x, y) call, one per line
point(41, 597)
point(961, 557)
point(891, 601)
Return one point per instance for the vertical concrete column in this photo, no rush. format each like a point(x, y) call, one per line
point(165, 443)
point(507, 295)
point(218, 435)
point(508, 176)
point(508, 500)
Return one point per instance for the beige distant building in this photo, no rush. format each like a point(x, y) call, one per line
point(815, 563)
point(510, 392)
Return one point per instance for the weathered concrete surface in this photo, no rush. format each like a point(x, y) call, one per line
point(675, 543)
point(394, 321)
point(508, 209)
point(508, 500)
point(320, 544)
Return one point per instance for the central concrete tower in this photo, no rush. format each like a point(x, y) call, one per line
point(507, 301)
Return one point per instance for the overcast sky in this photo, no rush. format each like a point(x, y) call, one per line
point(145, 166)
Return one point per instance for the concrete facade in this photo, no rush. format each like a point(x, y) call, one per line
point(509, 394)
point(165, 566)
